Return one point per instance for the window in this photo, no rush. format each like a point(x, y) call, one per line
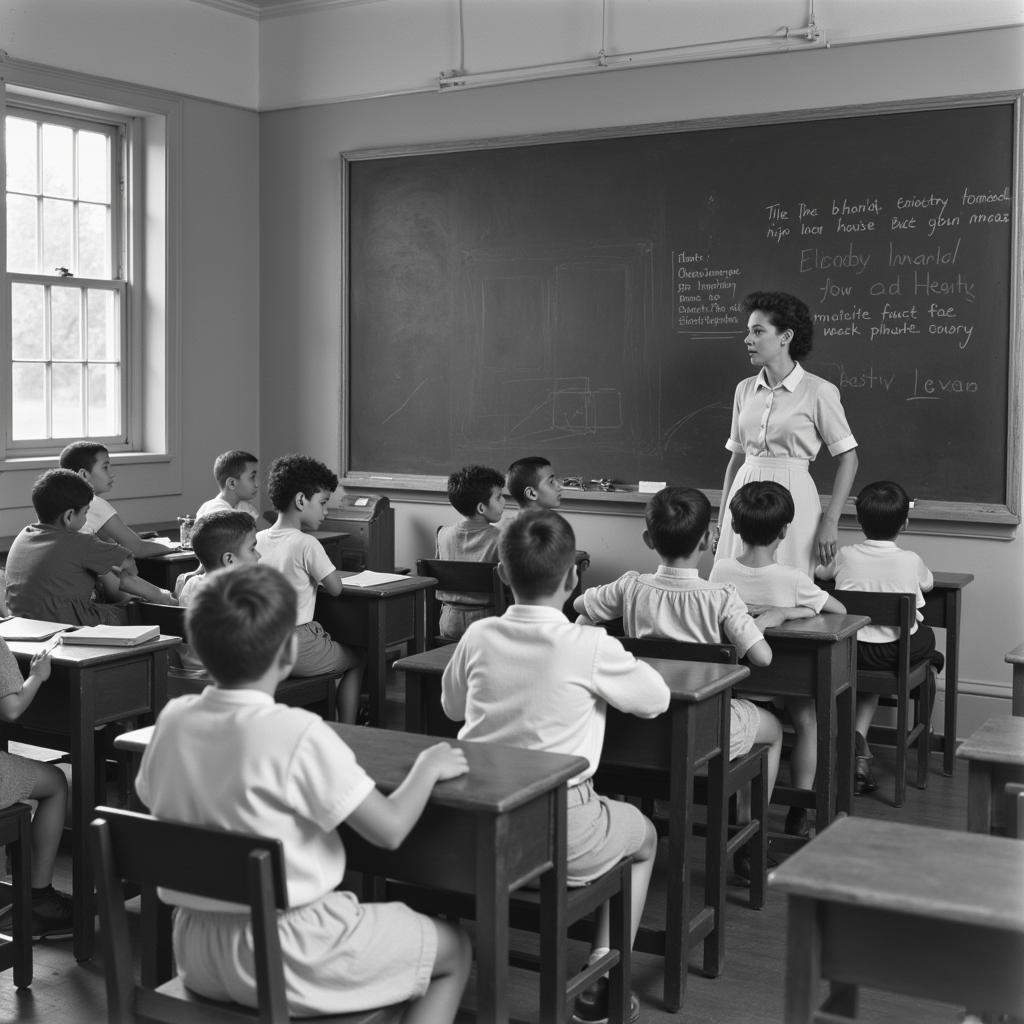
point(66, 274)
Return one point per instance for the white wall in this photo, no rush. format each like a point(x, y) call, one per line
point(301, 259)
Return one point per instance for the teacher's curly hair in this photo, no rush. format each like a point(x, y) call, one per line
point(787, 313)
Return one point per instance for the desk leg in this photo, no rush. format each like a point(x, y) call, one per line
point(846, 709)
point(952, 620)
point(1017, 706)
point(715, 847)
point(419, 633)
point(553, 926)
point(492, 919)
point(414, 702)
point(979, 797)
point(803, 960)
point(825, 779)
point(376, 663)
point(84, 786)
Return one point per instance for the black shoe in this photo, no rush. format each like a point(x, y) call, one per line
point(797, 823)
point(51, 915)
point(591, 1006)
point(741, 865)
point(863, 778)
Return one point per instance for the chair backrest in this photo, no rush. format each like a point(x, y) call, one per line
point(169, 617)
point(897, 611)
point(679, 650)
point(207, 862)
point(460, 577)
point(1014, 795)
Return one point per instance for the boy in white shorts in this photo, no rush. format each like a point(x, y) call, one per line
point(284, 772)
point(530, 678)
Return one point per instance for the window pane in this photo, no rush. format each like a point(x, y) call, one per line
point(28, 382)
point(104, 401)
point(93, 239)
point(65, 326)
point(93, 167)
point(66, 386)
point(22, 164)
point(58, 160)
point(102, 325)
point(28, 330)
point(22, 238)
point(57, 251)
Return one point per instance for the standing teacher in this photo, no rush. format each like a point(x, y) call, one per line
point(780, 419)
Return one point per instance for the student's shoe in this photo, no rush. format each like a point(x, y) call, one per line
point(741, 865)
point(51, 915)
point(863, 778)
point(591, 1006)
point(797, 823)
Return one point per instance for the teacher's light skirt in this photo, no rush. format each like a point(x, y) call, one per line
point(798, 546)
point(340, 955)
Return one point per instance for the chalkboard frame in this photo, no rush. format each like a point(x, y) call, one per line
point(1005, 514)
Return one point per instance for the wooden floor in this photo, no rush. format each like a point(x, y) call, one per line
point(749, 990)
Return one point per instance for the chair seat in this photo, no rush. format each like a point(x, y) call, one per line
point(175, 989)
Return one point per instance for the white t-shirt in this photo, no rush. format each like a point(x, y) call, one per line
point(775, 586)
point(530, 678)
point(234, 759)
point(301, 558)
point(100, 510)
point(220, 504)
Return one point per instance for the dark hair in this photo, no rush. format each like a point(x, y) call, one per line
point(537, 549)
point(786, 313)
point(291, 474)
point(882, 508)
point(677, 518)
point(219, 532)
point(525, 473)
point(471, 485)
point(760, 510)
point(58, 490)
point(238, 621)
point(232, 463)
point(81, 455)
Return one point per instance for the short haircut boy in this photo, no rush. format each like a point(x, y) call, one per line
point(677, 519)
point(238, 622)
point(760, 509)
point(231, 464)
point(472, 486)
point(217, 533)
point(293, 474)
point(882, 509)
point(81, 455)
point(57, 491)
point(525, 473)
point(537, 551)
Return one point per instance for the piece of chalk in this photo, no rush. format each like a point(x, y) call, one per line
point(650, 486)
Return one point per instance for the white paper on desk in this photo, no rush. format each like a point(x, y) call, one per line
point(16, 628)
point(367, 578)
point(168, 542)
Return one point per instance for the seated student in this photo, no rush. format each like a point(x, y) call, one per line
point(300, 488)
point(91, 461)
point(476, 493)
point(879, 564)
point(676, 604)
point(761, 513)
point(284, 772)
point(533, 484)
point(21, 778)
point(53, 568)
point(531, 678)
point(237, 476)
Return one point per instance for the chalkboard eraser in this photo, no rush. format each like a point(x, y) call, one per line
point(650, 486)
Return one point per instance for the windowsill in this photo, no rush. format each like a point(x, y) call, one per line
point(44, 462)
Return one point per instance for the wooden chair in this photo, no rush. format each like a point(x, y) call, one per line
point(898, 687)
point(750, 768)
point(15, 835)
point(458, 577)
point(220, 865)
point(1014, 798)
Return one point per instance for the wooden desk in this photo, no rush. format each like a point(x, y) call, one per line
point(817, 658)
point(89, 687)
point(654, 758)
point(1016, 659)
point(994, 756)
point(917, 911)
point(942, 610)
point(377, 618)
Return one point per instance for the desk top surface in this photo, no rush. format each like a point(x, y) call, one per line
point(1016, 656)
point(89, 654)
point(819, 629)
point(406, 585)
point(1000, 740)
point(954, 876)
point(951, 580)
point(178, 554)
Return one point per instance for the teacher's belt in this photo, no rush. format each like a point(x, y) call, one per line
point(777, 462)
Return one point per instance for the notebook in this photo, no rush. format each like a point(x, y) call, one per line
point(16, 628)
point(367, 578)
point(112, 636)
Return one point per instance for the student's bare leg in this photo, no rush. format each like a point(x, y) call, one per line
point(804, 759)
point(440, 1003)
point(640, 877)
point(51, 792)
point(349, 689)
point(867, 705)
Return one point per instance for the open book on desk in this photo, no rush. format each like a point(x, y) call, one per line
point(368, 578)
point(17, 628)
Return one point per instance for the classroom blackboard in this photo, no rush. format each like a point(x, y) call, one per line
point(579, 298)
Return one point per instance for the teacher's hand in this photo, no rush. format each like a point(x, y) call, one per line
point(827, 542)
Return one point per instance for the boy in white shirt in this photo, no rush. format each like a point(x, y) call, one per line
point(879, 564)
point(300, 488)
point(530, 678)
point(231, 758)
point(762, 511)
point(237, 476)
